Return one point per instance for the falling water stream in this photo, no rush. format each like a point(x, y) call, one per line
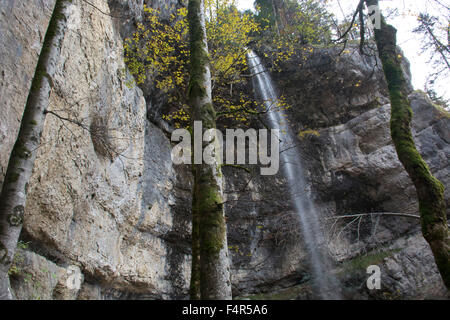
point(291, 163)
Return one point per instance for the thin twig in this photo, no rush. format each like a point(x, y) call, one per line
point(405, 215)
point(105, 13)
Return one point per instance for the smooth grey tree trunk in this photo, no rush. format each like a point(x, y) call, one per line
point(210, 249)
point(14, 190)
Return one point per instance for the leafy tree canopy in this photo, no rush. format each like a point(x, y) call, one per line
point(159, 50)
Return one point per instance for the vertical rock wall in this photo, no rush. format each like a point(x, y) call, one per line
point(102, 193)
point(23, 28)
point(106, 205)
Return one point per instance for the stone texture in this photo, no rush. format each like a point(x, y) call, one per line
point(105, 198)
point(353, 168)
point(412, 272)
point(407, 271)
point(263, 237)
point(101, 193)
point(35, 278)
point(358, 170)
point(325, 89)
point(23, 28)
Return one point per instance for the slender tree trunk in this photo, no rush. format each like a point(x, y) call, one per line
point(448, 35)
point(194, 291)
point(208, 212)
point(275, 17)
point(281, 9)
point(439, 47)
point(430, 192)
point(20, 165)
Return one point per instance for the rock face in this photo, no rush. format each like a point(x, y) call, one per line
point(37, 278)
point(360, 173)
point(23, 29)
point(345, 143)
point(360, 151)
point(353, 166)
point(103, 185)
point(108, 215)
point(358, 170)
point(325, 88)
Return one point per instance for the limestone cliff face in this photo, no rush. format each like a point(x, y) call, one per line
point(357, 171)
point(23, 30)
point(102, 188)
point(341, 114)
point(340, 110)
point(106, 204)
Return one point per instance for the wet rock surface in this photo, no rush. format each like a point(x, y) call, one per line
point(109, 202)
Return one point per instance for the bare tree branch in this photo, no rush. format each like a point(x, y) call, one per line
point(405, 215)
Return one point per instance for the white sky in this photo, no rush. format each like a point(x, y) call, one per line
point(404, 23)
point(245, 4)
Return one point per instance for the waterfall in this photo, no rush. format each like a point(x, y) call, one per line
point(291, 163)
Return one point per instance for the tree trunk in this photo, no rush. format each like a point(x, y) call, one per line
point(20, 165)
point(194, 291)
point(208, 213)
point(430, 192)
point(280, 7)
point(275, 17)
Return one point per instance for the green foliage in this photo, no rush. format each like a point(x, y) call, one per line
point(159, 50)
point(265, 16)
point(305, 22)
point(307, 133)
point(291, 293)
point(439, 100)
point(435, 32)
point(289, 26)
point(22, 245)
point(363, 261)
point(15, 269)
point(310, 22)
point(228, 32)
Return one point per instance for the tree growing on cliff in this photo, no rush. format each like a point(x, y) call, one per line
point(430, 191)
point(303, 24)
point(304, 21)
point(435, 32)
point(267, 14)
point(159, 50)
point(210, 277)
point(14, 190)
point(216, 54)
